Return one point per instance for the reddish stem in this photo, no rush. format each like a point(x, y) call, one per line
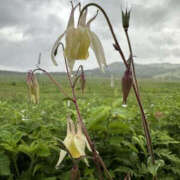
point(118, 48)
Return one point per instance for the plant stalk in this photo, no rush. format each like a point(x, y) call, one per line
point(118, 48)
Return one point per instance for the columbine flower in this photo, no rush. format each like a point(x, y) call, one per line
point(33, 87)
point(78, 40)
point(75, 142)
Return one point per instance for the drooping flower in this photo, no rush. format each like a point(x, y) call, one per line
point(33, 87)
point(75, 142)
point(78, 40)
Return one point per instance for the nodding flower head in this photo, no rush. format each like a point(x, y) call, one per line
point(75, 142)
point(78, 39)
point(33, 87)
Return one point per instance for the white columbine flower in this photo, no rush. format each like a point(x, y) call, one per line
point(75, 142)
point(78, 40)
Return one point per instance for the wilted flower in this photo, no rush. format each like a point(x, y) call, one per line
point(33, 87)
point(75, 142)
point(78, 40)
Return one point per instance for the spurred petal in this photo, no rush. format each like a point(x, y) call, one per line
point(72, 126)
point(71, 65)
point(61, 157)
point(68, 127)
point(98, 50)
point(55, 48)
point(82, 19)
point(71, 17)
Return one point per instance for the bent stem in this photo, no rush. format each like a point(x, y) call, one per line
point(118, 48)
point(54, 81)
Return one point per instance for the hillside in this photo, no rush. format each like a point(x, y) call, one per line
point(151, 71)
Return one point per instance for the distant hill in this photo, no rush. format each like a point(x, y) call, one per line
point(163, 71)
point(151, 71)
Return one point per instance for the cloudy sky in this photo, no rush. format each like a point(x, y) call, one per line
point(28, 27)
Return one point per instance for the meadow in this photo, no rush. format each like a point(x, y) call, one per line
point(28, 133)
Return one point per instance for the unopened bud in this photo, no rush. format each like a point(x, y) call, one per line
point(125, 18)
point(127, 81)
point(82, 81)
point(33, 87)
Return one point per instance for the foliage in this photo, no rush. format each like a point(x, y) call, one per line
point(29, 150)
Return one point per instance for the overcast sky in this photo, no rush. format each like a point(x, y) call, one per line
point(28, 27)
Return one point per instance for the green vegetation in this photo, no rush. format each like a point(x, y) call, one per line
point(29, 150)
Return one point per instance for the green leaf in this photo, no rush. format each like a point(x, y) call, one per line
point(118, 127)
point(99, 118)
point(4, 165)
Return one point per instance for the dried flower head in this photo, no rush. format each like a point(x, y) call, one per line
point(33, 87)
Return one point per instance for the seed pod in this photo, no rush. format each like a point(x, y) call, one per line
point(127, 81)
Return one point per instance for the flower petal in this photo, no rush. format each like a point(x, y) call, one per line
point(98, 50)
point(61, 157)
point(82, 19)
point(55, 47)
point(71, 65)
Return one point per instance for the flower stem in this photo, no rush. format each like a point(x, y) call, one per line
point(131, 56)
point(55, 82)
point(96, 155)
point(118, 48)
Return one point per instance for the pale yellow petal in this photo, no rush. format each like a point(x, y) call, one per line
point(77, 44)
point(86, 162)
point(98, 50)
point(62, 154)
point(71, 65)
point(80, 144)
point(72, 127)
point(54, 49)
point(87, 145)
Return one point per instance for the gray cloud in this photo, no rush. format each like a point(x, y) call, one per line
point(28, 27)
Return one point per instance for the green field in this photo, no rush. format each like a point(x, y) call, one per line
point(29, 150)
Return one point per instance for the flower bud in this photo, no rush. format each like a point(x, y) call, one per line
point(125, 18)
point(127, 81)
